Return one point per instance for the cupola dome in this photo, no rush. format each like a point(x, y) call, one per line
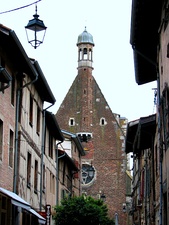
point(85, 37)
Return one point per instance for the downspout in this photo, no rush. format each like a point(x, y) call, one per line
point(160, 147)
point(153, 178)
point(146, 190)
point(18, 93)
point(42, 153)
point(57, 172)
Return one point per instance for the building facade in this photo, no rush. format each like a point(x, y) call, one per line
point(85, 112)
point(149, 40)
point(20, 116)
point(30, 140)
point(140, 141)
point(69, 166)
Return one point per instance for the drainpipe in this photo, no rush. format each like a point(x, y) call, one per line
point(57, 171)
point(16, 132)
point(146, 208)
point(42, 154)
point(160, 147)
point(153, 179)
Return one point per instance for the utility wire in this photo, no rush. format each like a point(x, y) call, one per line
point(22, 7)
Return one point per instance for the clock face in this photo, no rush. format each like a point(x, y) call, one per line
point(88, 174)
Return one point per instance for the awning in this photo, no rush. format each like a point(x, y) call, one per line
point(140, 134)
point(18, 201)
point(144, 38)
point(41, 219)
point(130, 135)
point(15, 199)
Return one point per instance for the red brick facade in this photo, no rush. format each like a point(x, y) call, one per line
point(7, 118)
point(86, 106)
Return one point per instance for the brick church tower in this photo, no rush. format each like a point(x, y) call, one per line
point(85, 111)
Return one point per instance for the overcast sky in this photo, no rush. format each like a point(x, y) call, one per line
point(109, 23)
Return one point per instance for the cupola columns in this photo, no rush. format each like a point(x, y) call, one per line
point(85, 49)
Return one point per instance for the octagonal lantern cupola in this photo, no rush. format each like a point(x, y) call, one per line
point(85, 46)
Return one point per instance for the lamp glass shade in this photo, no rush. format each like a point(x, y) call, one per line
point(35, 31)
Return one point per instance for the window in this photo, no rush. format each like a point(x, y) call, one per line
point(50, 146)
point(84, 137)
point(80, 54)
point(88, 174)
point(90, 54)
point(53, 178)
point(44, 185)
point(45, 141)
point(36, 176)
point(52, 183)
point(165, 105)
point(38, 121)
point(85, 53)
point(29, 170)
point(71, 122)
point(102, 121)
point(4, 210)
point(69, 180)
point(13, 91)
point(26, 218)
point(63, 194)
point(156, 160)
point(31, 110)
point(3, 65)
point(1, 139)
point(11, 140)
point(76, 175)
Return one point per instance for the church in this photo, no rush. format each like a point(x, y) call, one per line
point(86, 112)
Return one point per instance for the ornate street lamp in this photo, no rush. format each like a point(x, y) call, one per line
point(36, 25)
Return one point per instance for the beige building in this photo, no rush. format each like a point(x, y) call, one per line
point(37, 167)
point(69, 163)
point(21, 109)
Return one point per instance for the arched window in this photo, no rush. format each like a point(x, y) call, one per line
point(90, 54)
point(102, 121)
point(85, 53)
point(80, 54)
point(71, 122)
